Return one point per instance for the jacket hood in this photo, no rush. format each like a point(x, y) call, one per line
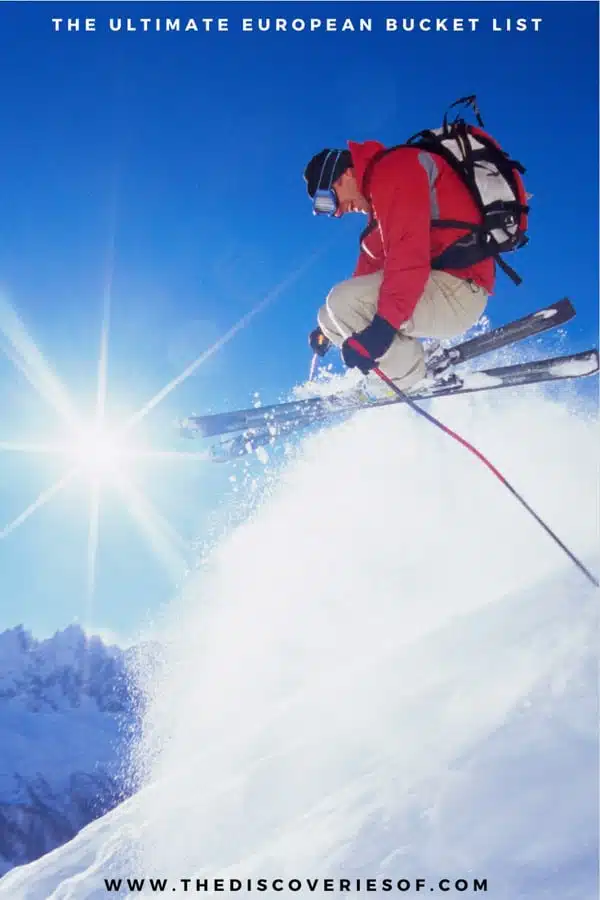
point(362, 154)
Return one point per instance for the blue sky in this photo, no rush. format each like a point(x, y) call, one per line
point(160, 176)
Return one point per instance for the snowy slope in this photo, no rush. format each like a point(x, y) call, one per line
point(65, 708)
point(391, 674)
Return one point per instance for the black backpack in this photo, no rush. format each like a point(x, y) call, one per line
point(494, 181)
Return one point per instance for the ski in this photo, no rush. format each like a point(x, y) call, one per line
point(440, 361)
point(576, 365)
point(549, 317)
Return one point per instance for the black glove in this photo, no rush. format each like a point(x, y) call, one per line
point(318, 342)
point(376, 338)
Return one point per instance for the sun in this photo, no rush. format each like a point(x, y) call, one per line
point(99, 451)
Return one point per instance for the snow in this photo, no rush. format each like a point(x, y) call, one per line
point(262, 454)
point(38, 744)
point(327, 383)
point(388, 670)
point(479, 380)
point(575, 367)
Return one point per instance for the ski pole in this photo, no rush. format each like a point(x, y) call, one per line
point(480, 456)
point(320, 344)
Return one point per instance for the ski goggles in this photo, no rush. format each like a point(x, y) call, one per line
point(325, 201)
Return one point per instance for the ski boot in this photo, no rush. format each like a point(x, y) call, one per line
point(438, 359)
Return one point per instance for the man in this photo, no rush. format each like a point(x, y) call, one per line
point(395, 296)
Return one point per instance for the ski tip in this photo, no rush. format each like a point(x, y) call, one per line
point(186, 429)
point(566, 308)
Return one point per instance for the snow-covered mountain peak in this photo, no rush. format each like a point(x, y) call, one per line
point(67, 670)
point(68, 704)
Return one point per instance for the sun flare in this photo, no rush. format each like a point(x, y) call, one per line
point(98, 454)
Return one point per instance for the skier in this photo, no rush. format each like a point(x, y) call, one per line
point(403, 287)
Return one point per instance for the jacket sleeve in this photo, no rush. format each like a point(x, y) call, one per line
point(400, 197)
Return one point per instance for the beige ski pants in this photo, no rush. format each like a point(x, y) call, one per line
point(448, 307)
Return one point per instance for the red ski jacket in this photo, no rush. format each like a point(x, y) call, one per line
point(406, 189)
